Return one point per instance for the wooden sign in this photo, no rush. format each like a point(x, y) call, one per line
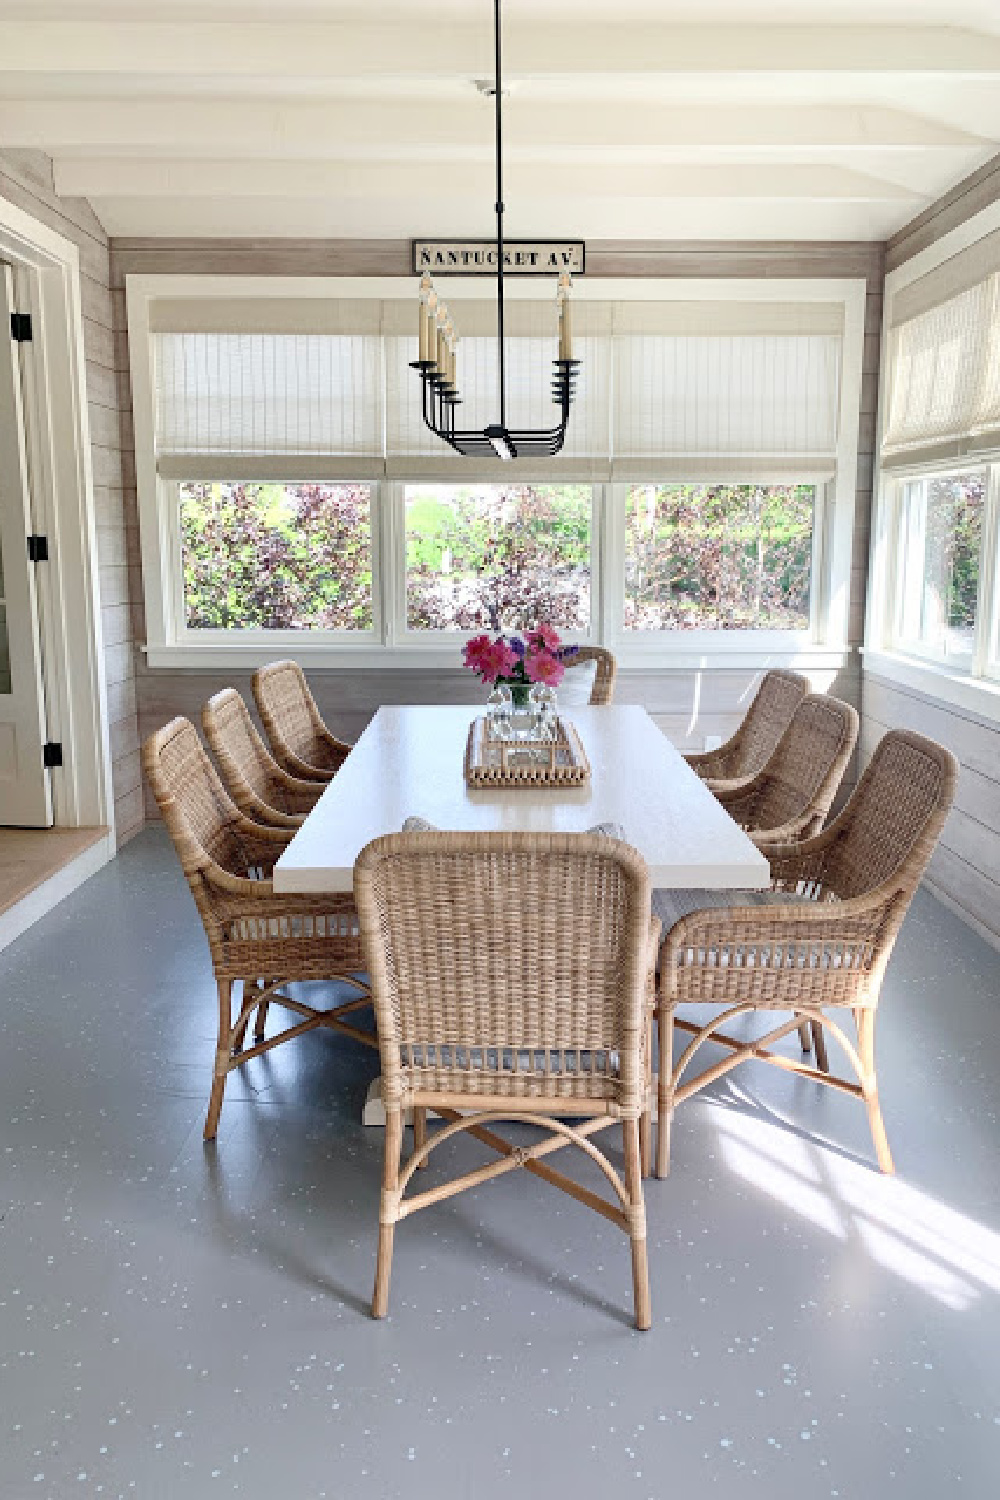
point(479, 257)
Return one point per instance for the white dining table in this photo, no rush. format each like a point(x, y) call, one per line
point(410, 762)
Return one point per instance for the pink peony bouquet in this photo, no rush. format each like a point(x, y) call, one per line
point(519, 660)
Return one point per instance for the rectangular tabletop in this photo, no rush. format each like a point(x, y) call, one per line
point(410, 762)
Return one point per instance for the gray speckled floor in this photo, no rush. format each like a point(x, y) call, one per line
point(180, 1320)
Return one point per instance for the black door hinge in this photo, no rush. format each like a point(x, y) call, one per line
point(38, 548)
point(52, 754)
point(20, 328)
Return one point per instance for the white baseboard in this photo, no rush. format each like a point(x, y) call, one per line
point(37, 903)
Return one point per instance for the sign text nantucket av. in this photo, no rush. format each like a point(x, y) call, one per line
point(479, 257)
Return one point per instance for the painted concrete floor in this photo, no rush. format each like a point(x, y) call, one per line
point(181, 1320)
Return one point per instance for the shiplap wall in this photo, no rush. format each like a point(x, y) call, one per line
point(26, 181)
point(965, 870)
point(688, 705)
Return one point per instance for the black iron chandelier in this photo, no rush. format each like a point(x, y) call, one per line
point(437, 364)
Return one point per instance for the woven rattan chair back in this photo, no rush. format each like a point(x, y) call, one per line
point(201, 817)
point(887, 832)
point(758, 736)
point(259, 786)
point(511, 964)
point(796, 788)
point(512, 980)
point(603, 690)
point(300, 740)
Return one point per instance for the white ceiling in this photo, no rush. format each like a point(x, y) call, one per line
point(627, 119)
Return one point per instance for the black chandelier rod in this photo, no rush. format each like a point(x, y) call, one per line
point(498, 103)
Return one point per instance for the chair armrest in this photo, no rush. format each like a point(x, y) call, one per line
point(710, 763)
point(317, 776)
point(791, 833)
point(262, 814)
point(817, 952)
point(339, 749)
point(739, 801)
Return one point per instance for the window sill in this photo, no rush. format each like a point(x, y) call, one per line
point(731, 655)
point(976, 695)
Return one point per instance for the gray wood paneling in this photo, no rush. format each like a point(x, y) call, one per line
point(968, 871)
point(968, 197)
point(26, 180)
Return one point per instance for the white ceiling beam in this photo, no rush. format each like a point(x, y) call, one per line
point(588, 218)
point(416, 49)
point(370, 128)
point(109, 176)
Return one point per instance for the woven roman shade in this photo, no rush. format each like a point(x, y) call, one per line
point(720, 390)
point(321, 388)
point(943, 392)
point(268, 389)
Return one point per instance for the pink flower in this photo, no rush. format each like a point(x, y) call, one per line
point(542, 666)
point(543, 636)
point(489, 659)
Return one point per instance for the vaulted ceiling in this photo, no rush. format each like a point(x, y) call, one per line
point(626, 119)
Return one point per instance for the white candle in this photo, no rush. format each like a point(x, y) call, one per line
point(565, 330)
point(426, 292)
point(442, 350)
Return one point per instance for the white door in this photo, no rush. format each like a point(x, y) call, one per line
point(25, 798)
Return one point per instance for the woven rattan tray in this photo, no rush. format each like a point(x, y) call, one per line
point(512, 763)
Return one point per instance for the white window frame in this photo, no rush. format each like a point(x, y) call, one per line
point(398, 634)
point(975, 688)
point(652, 643)
point(271, 640)
point(907, 645)
point(169, 644)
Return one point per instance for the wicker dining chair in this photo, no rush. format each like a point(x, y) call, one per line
point(603, 690)
point(255, 936)
point(512, 980)
point(257, 784)
point(755, 741)
point(300, 741)
point(822, 946)
point(790, 797)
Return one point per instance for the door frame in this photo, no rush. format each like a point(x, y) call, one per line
point(47, 272)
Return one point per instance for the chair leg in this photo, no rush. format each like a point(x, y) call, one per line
point(805, 1036)
point(637, 1225)
point(258, 1029)
point(665, 1090)
point(645, 1121)
point(869, 1084)
point(419, 1129)
point(239, 1033)
point(819, 1042)
point(387, 1210)
point(223, 1055)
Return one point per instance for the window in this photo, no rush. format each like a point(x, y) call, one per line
point(289, 490)
point(498, 557)
point(936, 572)
point(940, 543)
point(718, 557)
point(276, 556)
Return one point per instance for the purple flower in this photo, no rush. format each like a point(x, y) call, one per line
point(517, 645)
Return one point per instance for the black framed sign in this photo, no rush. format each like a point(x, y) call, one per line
point(479, 257)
